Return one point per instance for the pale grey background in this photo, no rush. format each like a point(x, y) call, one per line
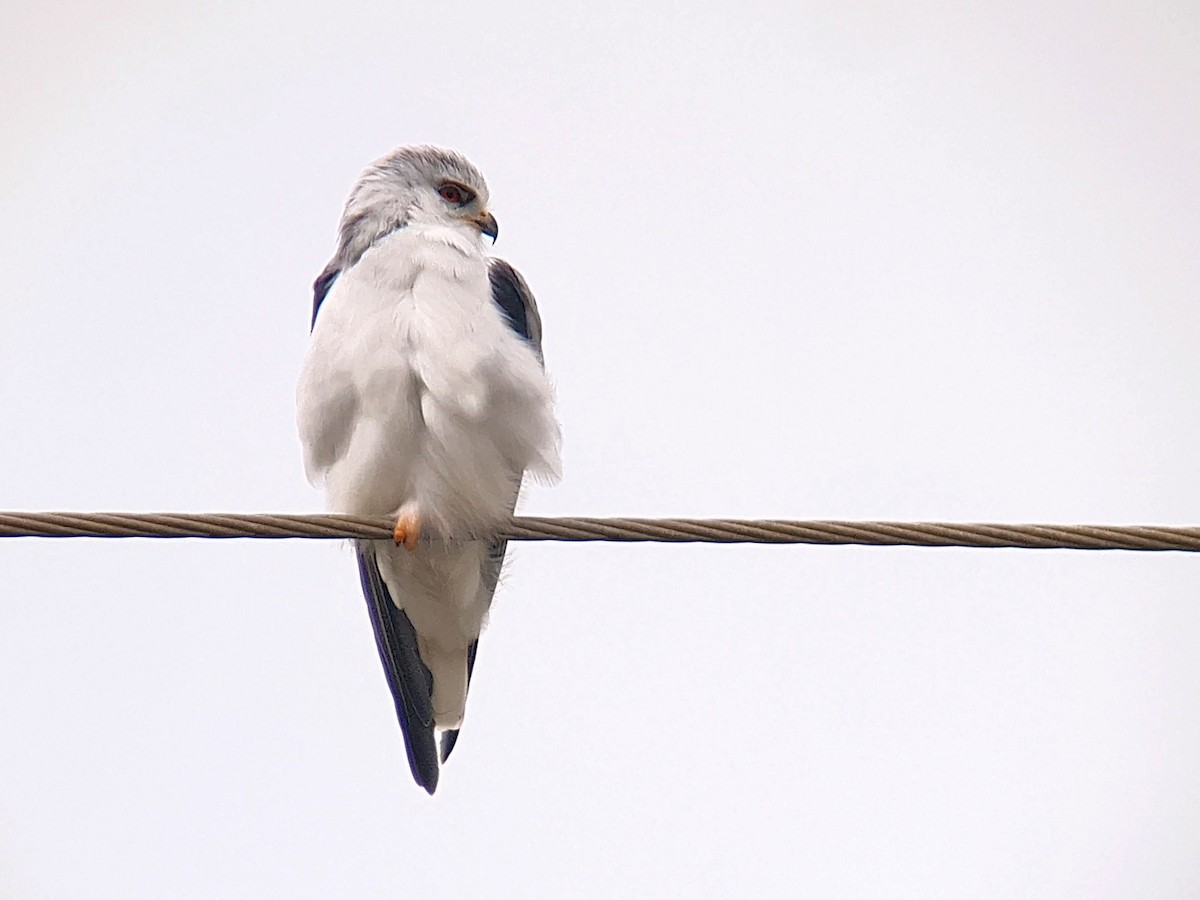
point(830, 259)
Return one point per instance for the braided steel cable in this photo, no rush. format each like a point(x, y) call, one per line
point(571, 528)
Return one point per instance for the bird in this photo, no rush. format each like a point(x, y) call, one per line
point(423, 398)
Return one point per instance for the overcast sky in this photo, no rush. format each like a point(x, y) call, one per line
point(814, 260)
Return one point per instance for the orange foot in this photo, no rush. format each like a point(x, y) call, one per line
point(407, 530)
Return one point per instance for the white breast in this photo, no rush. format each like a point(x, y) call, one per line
point(415, 389)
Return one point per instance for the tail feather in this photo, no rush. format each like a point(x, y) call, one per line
point(407, 675)
point(491, 576)
point(450, 737)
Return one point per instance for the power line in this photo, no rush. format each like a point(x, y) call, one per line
point(571, 528)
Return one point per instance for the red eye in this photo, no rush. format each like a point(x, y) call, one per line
point(452, 193)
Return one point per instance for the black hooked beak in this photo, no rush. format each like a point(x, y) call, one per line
point(487, 225)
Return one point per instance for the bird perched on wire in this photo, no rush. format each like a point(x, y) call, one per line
point(423, 398)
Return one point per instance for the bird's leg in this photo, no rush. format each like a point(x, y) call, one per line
point(408, 527)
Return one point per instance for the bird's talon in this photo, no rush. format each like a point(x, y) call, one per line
point(407, 531)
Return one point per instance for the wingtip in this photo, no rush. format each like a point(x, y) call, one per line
point(423, 758)
point(449, 739)
point(407, 677)
point(430, 786)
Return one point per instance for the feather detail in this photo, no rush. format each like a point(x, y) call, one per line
point(407, 677)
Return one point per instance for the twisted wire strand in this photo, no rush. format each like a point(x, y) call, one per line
point(572, 528)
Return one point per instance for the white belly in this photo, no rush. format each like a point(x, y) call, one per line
point(416, 390)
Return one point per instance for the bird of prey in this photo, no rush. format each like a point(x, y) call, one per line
point(423, 399)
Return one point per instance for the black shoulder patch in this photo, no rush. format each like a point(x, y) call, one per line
point(322, 285)
point(507, 294)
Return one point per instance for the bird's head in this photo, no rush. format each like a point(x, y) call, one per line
point(416, 185)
